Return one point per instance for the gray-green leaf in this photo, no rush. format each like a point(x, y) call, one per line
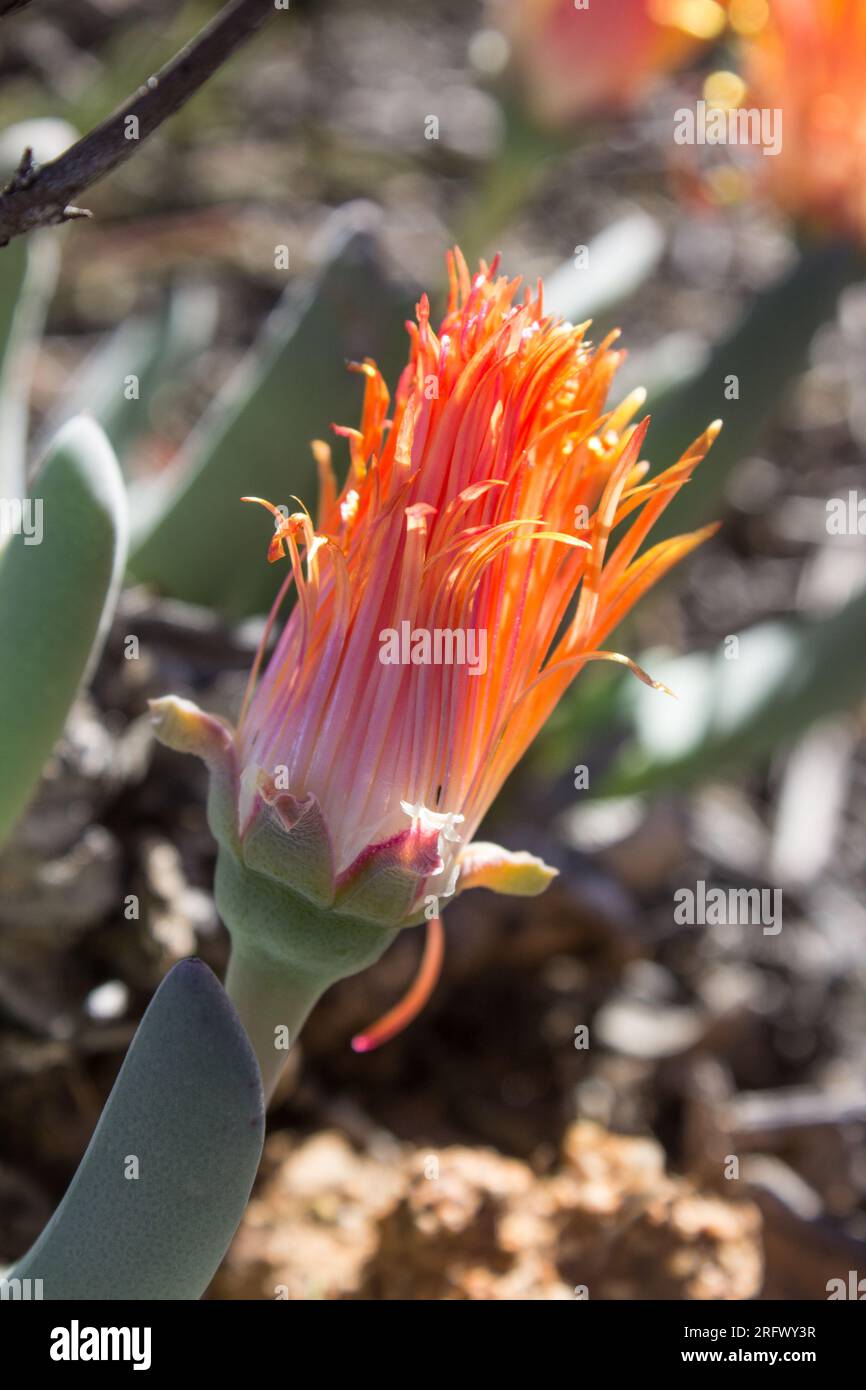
point(59, 578)
point(167, 1174)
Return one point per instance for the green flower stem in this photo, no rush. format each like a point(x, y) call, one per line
point(286, 951)
point(273, 1004)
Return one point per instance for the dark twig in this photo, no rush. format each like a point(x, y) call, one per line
point(42, 195)
point(10, 6)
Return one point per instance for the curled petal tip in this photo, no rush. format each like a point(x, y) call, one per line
point(484, 865)
point(171, 716)
point(182, 726)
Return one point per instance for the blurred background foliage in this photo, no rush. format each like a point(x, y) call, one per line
point(282, 224)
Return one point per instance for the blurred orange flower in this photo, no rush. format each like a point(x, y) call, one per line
point(808, 60)
point(601, 56)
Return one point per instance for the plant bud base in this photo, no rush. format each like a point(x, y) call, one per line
point(285, 953)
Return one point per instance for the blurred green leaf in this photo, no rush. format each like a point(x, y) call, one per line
point(765, 352)
point(197, 541)
point(187, 1108)
point(618, 261)
point(58, 587)
point(151, 347)
point(28, 274)
point(734, 708)
point(14, 260)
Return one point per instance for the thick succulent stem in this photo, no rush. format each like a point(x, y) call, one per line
point(273, 1005)
point(286, 952)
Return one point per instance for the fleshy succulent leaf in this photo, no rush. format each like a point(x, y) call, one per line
point(13, 274)
point(165, 1179)
point(152, 349)
point(28, 273)
point(56, 601)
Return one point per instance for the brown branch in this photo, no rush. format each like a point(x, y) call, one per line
point(42, 195)
point(10, 6)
